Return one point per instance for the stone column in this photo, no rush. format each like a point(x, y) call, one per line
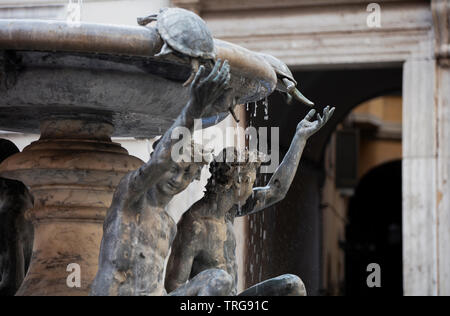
point(443, 179)
point(419, 178)
point(72, 172)
point(441, 15)
point(426, 164)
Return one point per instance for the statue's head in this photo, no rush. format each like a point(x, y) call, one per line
point(184, 170)
point(234, 171)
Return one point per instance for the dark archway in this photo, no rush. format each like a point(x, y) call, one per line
point(292, 229)
point(374, 232)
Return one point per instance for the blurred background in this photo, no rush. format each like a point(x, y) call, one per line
point(347, 207)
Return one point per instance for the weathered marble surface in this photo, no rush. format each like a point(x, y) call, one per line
point(72, 172)
point(52, 68)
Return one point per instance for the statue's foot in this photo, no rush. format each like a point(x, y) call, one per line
point(295, 286)
point(212, 282)
point(285, 285)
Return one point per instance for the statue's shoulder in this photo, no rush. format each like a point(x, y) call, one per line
point(126, 195)
point(191, 225)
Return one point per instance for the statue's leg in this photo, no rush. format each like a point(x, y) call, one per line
point(9, 276)
point(212, 282)
point(285, 285)
point(16, 235)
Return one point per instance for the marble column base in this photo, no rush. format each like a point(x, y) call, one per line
point(72, 172)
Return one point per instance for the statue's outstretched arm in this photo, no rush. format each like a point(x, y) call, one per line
point(208, 94)
point(281, 181)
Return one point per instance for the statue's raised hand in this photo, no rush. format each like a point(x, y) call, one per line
point(209, 91)
point(308, 128)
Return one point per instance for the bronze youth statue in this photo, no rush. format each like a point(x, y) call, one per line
point(138, 231)
point(206, 238)
point(16, 233)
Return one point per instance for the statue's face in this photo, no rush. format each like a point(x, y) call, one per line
point(244, 185)
point(178, 177)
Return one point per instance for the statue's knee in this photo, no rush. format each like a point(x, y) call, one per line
point(220, 283)
point(224, 282)
point(295, 285)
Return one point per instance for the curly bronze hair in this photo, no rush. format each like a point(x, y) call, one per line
point(225, 166)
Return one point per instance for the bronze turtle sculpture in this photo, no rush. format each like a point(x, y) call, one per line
point(185, 33)
point(286, 82)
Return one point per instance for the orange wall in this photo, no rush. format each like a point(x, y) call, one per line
point(373, 153)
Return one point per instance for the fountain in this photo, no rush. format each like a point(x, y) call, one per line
point(79, 85)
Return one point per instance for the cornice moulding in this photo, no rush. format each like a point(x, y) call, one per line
point(232, 5)
point(441, 19)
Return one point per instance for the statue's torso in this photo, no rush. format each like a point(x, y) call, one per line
point(217, 249)
point(136, 243)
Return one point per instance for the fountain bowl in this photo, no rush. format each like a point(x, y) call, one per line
point(50, 69)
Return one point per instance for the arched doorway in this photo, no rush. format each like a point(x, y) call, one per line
point(374, 232)
point(299, 235)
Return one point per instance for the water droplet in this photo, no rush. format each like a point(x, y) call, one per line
point(266, 109)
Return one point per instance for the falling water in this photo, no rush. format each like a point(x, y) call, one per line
point(266, 109)
point(258, 233)
point(239, 157)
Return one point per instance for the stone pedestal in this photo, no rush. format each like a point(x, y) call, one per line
point(72, 172)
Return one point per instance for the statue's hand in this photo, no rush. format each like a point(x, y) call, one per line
point(308, 128)
point(209, 92)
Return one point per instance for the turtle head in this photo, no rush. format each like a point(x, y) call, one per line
point(295, 93)
point(147, 20)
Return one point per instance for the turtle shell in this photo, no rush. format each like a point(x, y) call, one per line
point(280, 67)
point(186, 32)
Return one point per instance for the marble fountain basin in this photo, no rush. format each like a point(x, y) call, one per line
point(53, 68)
